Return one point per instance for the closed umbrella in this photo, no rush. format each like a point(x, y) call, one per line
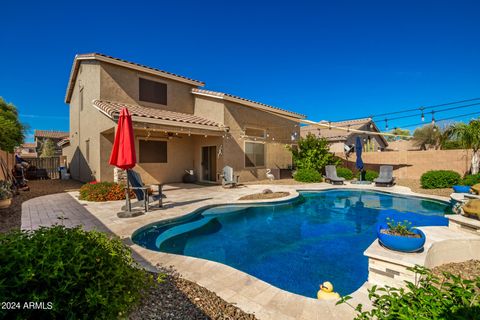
point(358, 153)
point(123, 152)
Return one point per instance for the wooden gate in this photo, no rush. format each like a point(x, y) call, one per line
point(50, 164)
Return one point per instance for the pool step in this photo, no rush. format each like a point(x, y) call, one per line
point(175, 231)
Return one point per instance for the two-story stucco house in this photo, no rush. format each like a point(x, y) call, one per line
point(178, 126)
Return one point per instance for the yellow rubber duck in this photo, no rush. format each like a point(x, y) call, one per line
point(326, 292)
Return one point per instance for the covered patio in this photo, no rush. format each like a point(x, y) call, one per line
point(167, 144)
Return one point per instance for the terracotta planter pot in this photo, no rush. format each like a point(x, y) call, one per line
point(5, 203)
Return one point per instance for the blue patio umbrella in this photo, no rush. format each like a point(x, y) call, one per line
point(358, 153)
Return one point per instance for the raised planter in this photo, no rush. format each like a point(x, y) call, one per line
point(5, 203)
point(401, 243)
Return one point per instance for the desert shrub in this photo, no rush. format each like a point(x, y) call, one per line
point(307, 175)
point(470, 180)
point(102, 191)
point(430, 298)
point(370, 175)
point(435, 179)
point(345, 173)
point(83, 274)
point(312, 152)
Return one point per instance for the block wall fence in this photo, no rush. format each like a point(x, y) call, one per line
point(412, 164)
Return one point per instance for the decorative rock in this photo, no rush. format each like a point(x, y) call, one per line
point(267, 191)
point(476, 188)
point(472, 208)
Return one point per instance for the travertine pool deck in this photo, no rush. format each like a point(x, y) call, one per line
point(247, 292)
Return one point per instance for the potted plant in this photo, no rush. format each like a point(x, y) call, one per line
point(5, 194)
point(400, 236)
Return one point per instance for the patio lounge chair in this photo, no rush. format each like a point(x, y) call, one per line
point(141, 191)
point(385, 178)
point(331, 175)
point(228, 177)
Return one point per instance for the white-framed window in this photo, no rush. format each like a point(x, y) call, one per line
point(152, 151)
point(255, 132)
point(254, 154)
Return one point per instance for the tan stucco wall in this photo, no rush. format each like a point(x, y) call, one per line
point(412, 164)
point(121, 85)
point(86, 125)
point(237, 117)
point(210, 108)
point(179, 158)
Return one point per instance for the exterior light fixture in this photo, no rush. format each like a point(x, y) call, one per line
point(422, 116)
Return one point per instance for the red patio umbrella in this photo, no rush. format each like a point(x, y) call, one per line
point(123, 152)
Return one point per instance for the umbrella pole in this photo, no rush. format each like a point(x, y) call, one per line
point(127, 196)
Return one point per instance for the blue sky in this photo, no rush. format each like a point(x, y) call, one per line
point(330, 60)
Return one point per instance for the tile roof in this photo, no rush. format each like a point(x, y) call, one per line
point(63, 142)
point(113, 108)
point(29, 145)
point(222, 95)
point(334, 135)
point(52, 134)
point(125, 63)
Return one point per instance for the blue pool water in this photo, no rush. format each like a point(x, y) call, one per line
point(294, 245)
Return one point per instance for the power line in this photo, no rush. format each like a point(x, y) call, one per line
point(414, 109)
point(435, 111)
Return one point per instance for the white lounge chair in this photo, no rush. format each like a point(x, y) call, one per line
point(228, 177)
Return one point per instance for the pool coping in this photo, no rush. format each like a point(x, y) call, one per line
point(249, 293)
point(200, 270)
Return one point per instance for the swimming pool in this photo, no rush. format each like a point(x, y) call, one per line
point(294, 245)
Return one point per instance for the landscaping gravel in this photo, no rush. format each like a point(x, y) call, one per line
point(177, 298)
point(414, 184)
point(11, 217)
point(469, 270)
point(263, 196)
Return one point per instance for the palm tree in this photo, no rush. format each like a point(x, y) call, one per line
point(469, 137)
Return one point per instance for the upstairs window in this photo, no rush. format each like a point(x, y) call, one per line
point(151, 91)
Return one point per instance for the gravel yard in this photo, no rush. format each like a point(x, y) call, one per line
point(10, 218)
point(177, 298)
point(469, 270)
point(265, 196)
point(414, 184)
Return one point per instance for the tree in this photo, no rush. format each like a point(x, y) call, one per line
point(12, 132)
point(403, 132)
point(469, 137)
point(48, 149)
point(312, 152)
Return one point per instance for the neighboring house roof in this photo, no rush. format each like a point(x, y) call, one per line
point(337, 135)
point(63, 142)
point(123, 63)
point(243, 101)
point(112, 109)
point(29, 145)
point(403, 145)
point(51, 134)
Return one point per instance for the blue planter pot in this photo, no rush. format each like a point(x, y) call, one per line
point(461, 189)
point(399, 243)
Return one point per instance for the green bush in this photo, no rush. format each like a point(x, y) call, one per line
point(307, 175)
point(470, 180)
point(312, 152)
point(345, 173)
point(370, 175)
point(84, 275)
point(439, 179)
point(430, 298)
